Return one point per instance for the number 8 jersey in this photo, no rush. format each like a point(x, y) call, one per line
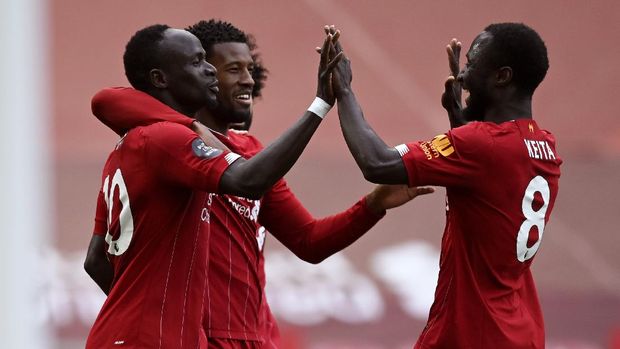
point(150, 210)
point(501, 182)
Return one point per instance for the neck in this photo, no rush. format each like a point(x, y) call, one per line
point(174, 104)
point(514, 108)
point(207, 118)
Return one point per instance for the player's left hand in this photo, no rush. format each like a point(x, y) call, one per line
point(386, 196)
point(207, 136)
point(328, 62)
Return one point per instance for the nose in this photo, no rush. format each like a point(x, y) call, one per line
point(246, 78)
point(210, 70)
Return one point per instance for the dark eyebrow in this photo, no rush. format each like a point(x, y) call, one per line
point(240, 63)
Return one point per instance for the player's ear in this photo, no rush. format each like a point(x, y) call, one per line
point(503, 76)
point(158, 78)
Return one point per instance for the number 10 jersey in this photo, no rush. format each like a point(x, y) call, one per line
point(151, 210)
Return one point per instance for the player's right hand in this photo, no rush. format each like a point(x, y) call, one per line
point(451, 97)
point(342, 75)
point(387, 196)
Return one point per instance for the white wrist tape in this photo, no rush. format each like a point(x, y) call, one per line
point(319, 107)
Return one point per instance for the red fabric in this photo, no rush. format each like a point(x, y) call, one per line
point(101, 216)
point(121, 104)
point(236, 274)
point(235, 305)
point(158, 239)
point(485, 296)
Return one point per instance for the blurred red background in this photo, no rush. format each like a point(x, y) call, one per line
point(376, 293)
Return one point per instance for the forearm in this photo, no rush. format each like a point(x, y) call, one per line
point(97, 264)
point(324, 237)
point(253, 177)
point(123, 108)
point(379, 162)
point(102, 274)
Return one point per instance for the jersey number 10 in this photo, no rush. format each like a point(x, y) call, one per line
point(119, 246)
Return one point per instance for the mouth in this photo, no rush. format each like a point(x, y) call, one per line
point(243, 98)
point(466, 96)
point(214, 88)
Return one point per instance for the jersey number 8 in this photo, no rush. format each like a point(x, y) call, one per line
point(532, 218)
point(119, 246)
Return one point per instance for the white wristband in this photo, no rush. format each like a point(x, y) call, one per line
point(319, 107)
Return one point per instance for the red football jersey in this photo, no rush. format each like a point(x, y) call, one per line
point(501, 182)
point(152, 211)
point(236, 301)
point(235, 304)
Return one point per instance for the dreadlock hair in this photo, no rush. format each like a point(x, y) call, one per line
point(141, 55)
point(213, 32)
point(518, 46)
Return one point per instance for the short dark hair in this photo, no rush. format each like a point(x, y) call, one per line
point(141, 55)
point(518, 46)
point(213, 32)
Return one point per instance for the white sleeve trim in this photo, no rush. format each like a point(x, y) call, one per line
point(402, 149)
point(231, 157)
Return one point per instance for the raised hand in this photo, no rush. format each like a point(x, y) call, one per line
point(331, 29)
point(329, 60)
point(385, 197)
point(451, 97)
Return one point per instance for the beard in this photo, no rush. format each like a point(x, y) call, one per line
point(212, 103)
point(231, 115)
point(475, 109)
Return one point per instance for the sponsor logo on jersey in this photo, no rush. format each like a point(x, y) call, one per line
point(204, 151)
point(439, 145)
point(539, 150)
point(247, 208)
point(530, 127)
point(442, 144)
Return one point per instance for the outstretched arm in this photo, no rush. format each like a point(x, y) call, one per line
point(253, 177)
point(248, 178)
point(379, 162)
point(123, 108)
point(313, 240)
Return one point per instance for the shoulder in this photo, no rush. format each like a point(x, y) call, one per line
point(471, 137)
point(161, 136)
point(475, 129)
point(163, 131)
point(245, 140)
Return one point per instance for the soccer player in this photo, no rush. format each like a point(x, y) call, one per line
point(236, 312)
point(153, 209)
point(501, 172)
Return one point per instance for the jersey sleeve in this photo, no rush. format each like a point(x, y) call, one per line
point(453, 159)
point(309, 238)
point(178, 155)
point(101, 216)
point(123, 108)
